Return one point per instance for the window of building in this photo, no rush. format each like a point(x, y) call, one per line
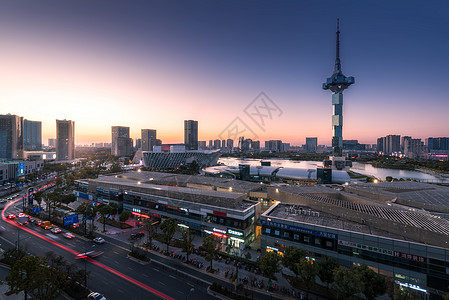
point(267, 230)
point(317, 241)
point(307, 239)
point(276, 232)
point(329, 244)
point(286, 234)
point(296, 236)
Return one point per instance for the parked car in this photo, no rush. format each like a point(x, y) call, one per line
point(99, 240)
point(75, 225)
point(137, 235)
point(96, 296)
point(11, 216)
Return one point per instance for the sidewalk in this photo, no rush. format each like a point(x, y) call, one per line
point(223, 270)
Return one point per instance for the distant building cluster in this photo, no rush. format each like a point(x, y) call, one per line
point(414, 148)
point(21, 139)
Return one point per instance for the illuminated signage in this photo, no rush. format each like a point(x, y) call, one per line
point(137, 210)
point(236, 239)
point(224, 236)
point(412, 286)
point(235, 232)
point(220, 230)
point(272, 248)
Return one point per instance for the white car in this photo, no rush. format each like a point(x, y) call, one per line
point(96, 296)
point(56, 230)
point(99, 240)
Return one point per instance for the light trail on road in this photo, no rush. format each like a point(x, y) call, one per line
point(109, 269)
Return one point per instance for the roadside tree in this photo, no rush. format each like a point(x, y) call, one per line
point(210, 245)
point(326, 266)
point(168, 227)
point(373, 284)
point(307, 272)
point(291, 258)
point(106, 211)
point(347, 283)
point(269, 264)
point(187, 242)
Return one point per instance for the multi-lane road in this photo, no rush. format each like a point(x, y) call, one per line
point(112, 273)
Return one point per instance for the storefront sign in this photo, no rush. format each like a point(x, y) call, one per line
point(301, 229)
point(220, 230)
point(235, 232)
point(383, 251)
point(272, 248)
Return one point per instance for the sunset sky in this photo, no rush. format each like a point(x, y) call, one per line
point(153, 64)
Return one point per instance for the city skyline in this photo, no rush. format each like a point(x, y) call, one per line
point(152, 66)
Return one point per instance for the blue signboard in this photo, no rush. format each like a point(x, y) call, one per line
point(301, 229)
point(37, 209)
point(70, 219)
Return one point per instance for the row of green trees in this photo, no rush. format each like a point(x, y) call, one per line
point(42, 278)
point(169, 227)
point(346, 282)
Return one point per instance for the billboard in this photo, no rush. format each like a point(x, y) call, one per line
point(70, 219)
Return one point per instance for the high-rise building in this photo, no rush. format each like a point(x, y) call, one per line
point(392, 143)
point(191, 134)
point(337, 83)
point(285, 147)
point(311, 144)
point(217, 144)
point(403, 139)
point(121, 142)
point(255, 145)
point(148, 139)
point(65, 140)
point(11, 137)
point(437, 144)
point(32, 135)
point(51, 142)
point(230, 144)
point(211, 144)
point(202, 145)
point(138, 144)
point(414, 148)
point(273, 145)
point(389, 144)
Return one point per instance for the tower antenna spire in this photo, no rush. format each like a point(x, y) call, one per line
point(337, 83)
point(337, 68)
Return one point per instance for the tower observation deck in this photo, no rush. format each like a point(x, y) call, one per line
point(337, 83)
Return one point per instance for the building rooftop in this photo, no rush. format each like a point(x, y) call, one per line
point(140, 182)
point(181, 180)
point(354, 211)
point(295, 213)
point(421, 195)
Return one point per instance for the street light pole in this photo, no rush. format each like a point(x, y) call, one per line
point(191, 291)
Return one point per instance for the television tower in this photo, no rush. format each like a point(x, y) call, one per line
point(337, 83)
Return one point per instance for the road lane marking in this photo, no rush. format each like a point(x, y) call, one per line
point(172, 276)
point(161, 283)
point(130, 268)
